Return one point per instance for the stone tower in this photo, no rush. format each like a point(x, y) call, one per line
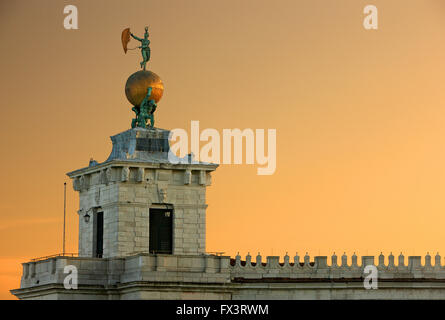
point(142, 199)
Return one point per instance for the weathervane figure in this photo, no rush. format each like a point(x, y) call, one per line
point(145, 45)
point(144, 88)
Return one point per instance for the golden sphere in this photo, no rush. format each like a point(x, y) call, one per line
point(138, 83)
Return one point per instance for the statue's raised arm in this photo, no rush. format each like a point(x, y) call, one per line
point(136, 38)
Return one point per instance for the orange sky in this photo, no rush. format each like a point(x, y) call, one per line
point(359, 118)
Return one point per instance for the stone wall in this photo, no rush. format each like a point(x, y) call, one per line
point(147, 276)
point(125, 192)
point(284, 278)
point(141, 276)
point(347, 269)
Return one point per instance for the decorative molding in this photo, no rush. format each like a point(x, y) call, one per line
point(162, 195)
point(146, 165)
point(109, 175)
point(202, 178)
point(190, 206)
point(84, 182)
point(97, 196)
point(319, 268)
point(125, 175)
point(140, 175)
point(102, 177)
point(188, 176)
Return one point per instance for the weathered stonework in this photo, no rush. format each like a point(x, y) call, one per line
point(148, 276)
point(126, 206)
point(131, 182)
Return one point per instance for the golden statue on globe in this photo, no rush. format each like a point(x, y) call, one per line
point(144, 88)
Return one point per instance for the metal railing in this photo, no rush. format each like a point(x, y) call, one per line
point(73, 255)
point(57, 255)
point(217, 253)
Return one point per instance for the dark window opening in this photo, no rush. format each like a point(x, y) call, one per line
point(99, 235)
point(161, 231)
point(152, 145)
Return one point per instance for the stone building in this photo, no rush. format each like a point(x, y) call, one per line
point(142, 224)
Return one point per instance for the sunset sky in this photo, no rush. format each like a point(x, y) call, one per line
point(359, 116)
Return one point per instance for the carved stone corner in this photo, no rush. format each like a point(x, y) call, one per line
point(202, 178)
point(76, 184)
point(208, 179)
